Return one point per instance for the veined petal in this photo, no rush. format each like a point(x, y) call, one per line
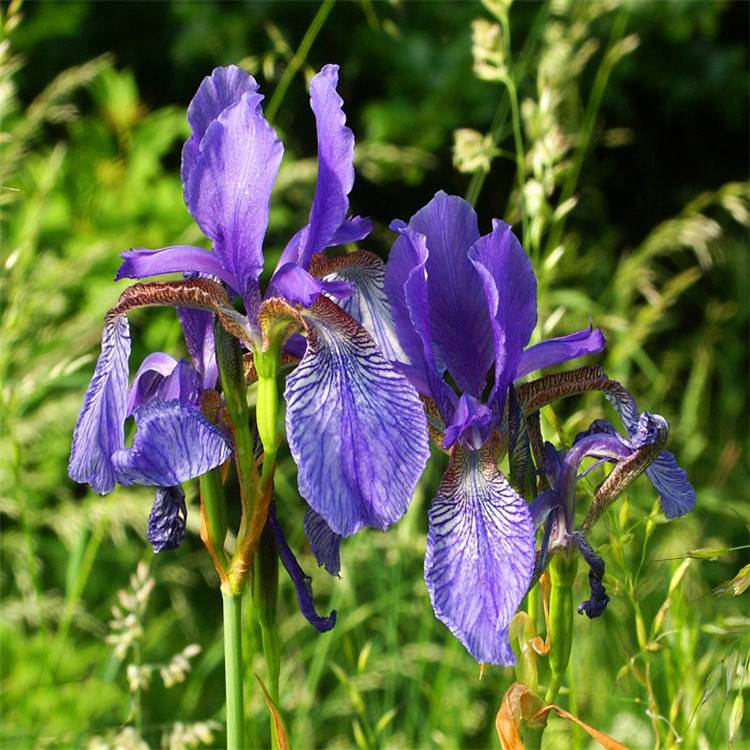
point(406, 284)
point(99, 431)
point(480, 554)
point(140, 263)
point(230, 186)
point(558, 350)
point(223, 88)
point(198, 329)
point(676, 493)
point(509, 287)
point(173, 443)
point(356, 428)
point(168, 519)
point(302, 582)
point(298, 286)
point(335, 165)
point(368, 303)
point(324, 542)
point(460, 325)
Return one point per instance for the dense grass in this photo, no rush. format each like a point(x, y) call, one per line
point(629, 145)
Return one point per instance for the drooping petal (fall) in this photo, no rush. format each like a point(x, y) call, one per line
point(558, 350)
point(461, 329)
point(509, 287)
point(168, 519)
point(230, 184)
point(174, 442)
point(140, 263)
point(324, 542)
point(99, 431)
point(356, 427)
point(676, 493)
point(302, 582)
point(480, 554)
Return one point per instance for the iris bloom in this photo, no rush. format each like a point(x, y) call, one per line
point(173, 441)
point(355, 425)
point(464, 307)
point(642, 450)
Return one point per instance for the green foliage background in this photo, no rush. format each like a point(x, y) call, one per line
point(92, 97)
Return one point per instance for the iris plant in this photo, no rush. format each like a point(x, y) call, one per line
point(464, 308)
point(344, 396)
point(439, 336)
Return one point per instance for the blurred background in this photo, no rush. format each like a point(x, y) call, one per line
point(633, 143)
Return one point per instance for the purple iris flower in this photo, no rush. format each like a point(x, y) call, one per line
point(646, 433)
point(355, 425)
point(173, 441)
point(464, 306)
point(345, 396)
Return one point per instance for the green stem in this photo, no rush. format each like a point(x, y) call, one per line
point(233, 669)
point(298, 59)
point(266, 571)
point(265, 596)
point(214, 517)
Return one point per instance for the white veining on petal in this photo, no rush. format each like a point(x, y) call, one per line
point(480, 554)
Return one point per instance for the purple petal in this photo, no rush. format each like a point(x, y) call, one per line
point(223, 88)
point(676, 494)
point(230, 187)
point(597, 603)
point(300, 287)
point(151, 374)
point(368, 303)
point(173, 443)
point(198, 329)
point(168, 518)
point(461, 329)
point(356, 428)
point(158, 380)
point(140, 263)
point(99, 431)
point(558, 350)
point(509, 287)
point(324, 542)
point(406, 283)
point(470, 425)
point(480, 555)
point(335, 165)
point(352, 230)
point(302, 582)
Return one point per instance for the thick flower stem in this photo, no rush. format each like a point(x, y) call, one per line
point(265, 596)
point(233, 669)
point(266, 572)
